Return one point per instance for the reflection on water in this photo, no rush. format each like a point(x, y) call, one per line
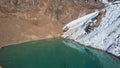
point(105, 59)
point(54, 53)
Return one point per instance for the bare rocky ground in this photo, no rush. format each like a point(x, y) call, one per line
point(26, 20)
point(15, 30)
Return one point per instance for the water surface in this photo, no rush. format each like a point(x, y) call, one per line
point(54, 53)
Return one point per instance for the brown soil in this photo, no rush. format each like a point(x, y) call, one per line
point(14, 29)
point(26, 20)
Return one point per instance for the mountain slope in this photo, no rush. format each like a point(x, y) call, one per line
point(100, 29)
point(26, 20)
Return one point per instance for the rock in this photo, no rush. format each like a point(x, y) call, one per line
point(104, 37)
point(60, 10)
point(0, 66)
point(17, 5)
point(65, 9)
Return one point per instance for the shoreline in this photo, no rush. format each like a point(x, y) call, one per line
point(15, 30)
point(30, 40)
point(59, 36)
point(94, 48)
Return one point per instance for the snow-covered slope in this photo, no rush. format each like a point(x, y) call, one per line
point(100, 29)
point(104, 1)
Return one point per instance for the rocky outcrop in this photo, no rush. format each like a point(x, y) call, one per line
point(17, 5)
point(100, 29)
point(61, 10)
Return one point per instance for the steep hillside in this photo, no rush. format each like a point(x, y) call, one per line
point(25, 20)
point(60, 10)
point(100, 29)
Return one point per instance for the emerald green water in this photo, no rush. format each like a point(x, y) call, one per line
point(54, 53)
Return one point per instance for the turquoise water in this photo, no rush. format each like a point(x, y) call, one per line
point(54, 53)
